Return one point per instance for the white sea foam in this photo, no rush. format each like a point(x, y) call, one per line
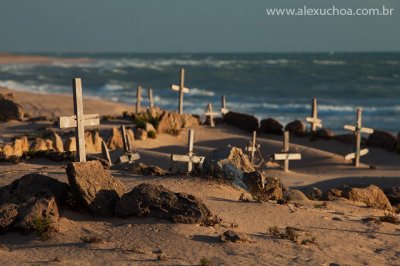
point(329, 62)
point(201, 92)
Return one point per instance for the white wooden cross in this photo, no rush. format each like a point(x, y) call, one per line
point(314, 121)
point(224, 110)
point(181, 89)
point(128, 156)
point(105, 152)
point(252, 147)
point(151, 100)
point(286, 156)
point(79, 121)
point(358, 130)
point(138, 98)
point(210, 114)
point(190, 157)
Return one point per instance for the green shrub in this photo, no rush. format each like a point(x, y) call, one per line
point(43, 227)
point(152, 134)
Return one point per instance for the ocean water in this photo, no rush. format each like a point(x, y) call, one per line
point(266, 85)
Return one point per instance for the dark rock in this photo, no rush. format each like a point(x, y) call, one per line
point(294, 195)
point(228, 163)
point(95, 187)
point(393, 194)
point(313, 193)
point(271, 126)
point(371, 195)
point(332, 194)
point(159, 202)
point(263, 188)
point(382, 140)
point(273, 188)
point(296, 128)
point(30, 197)
point(349, 139)
point(325, 133)
point(243, 121)
point(232, 236)
point(10, 110)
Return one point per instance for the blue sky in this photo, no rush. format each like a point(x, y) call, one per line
point(191, 26)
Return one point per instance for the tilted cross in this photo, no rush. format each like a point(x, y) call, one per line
point(224, 110)
point(138, 98)
point(358, 130)
point(314, 121)
point(79, 120)
point(128, 156)
point(190, 157)
point(181, 89)
point(151, 100)
point(210, 114)
point(252, 148)
point(105, 153)
point(286, 156)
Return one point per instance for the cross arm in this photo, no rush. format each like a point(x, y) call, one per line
point(177, 88)
point(70, 121)
point(287, 156)
point(353, 155)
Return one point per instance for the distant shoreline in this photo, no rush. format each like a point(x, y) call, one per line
point(6, 58)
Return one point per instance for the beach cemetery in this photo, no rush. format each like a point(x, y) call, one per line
point(92, 182)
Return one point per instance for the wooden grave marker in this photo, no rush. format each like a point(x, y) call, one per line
point(358, 130)
point(314, 121)
point(224, 110)
point(138, 98)
point(181, 89)
point(190, 157)
point(79, 121)
point(286, 156)
point(252, 148)
point(105, 153)
point(210, 114)
point(151, 99)
point(128, 156)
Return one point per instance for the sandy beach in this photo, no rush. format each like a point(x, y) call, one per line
point(341, 234)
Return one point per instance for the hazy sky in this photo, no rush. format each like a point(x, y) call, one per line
point(191, 26)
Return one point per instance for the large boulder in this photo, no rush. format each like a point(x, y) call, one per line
point(294, 195)
point(349, 139)
point(271, 126)
point(31, 197)
point(296, 128)
point(10, 110)
point(95, 187)
point(228, 163)
point(263, 188)
point(171, 122)
point(382, 139)
point(371, 195)
point(157, 201)
point(243, 121)
point(325, 133)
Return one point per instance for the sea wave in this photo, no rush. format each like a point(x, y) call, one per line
point(201, 92)
point(329, 62)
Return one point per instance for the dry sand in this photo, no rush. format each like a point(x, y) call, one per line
point(340, 235)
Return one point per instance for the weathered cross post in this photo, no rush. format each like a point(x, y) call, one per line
point(210, 114)
point(314, 121)
point(151, 100)
point(181, 89)
point(224, 110)
point(190, 158)
point(252, 148)
point(79, 120)
point(105, 152)
point(358, 130)
point(286, 156)
point(138, 98)
point(128, 156)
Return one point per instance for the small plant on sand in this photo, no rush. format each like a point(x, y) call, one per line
point(151, 134)
point(90, 239)
point(206, 262)
point(43, 227)
point(147, 117)
point(289, 233)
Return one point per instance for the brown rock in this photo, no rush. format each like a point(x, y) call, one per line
point(296, 128)
point(58, 144)
point(271, 126)
point(233, 236)
point(172, 122)
point(325, 133)
point(149, 127)
point(382, 139)
point(89, 144)
point(273, 188)
point(8, 150)
point(140, 134)
point(8, 215)
point(97, 140)
point(295, 195)
point(95, 186)
point(243, 121)
point(371, 195)
point(159, 202)
point(332, 194)
point(10, 110)
point(115, 141)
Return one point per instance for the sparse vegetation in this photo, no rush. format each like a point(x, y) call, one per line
point(147, 117)
point(387, 218)
point(206, 262)
point(212, 221)
point(91, 239)
point(289, 233)
point(43, 227)
point(151, 134)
